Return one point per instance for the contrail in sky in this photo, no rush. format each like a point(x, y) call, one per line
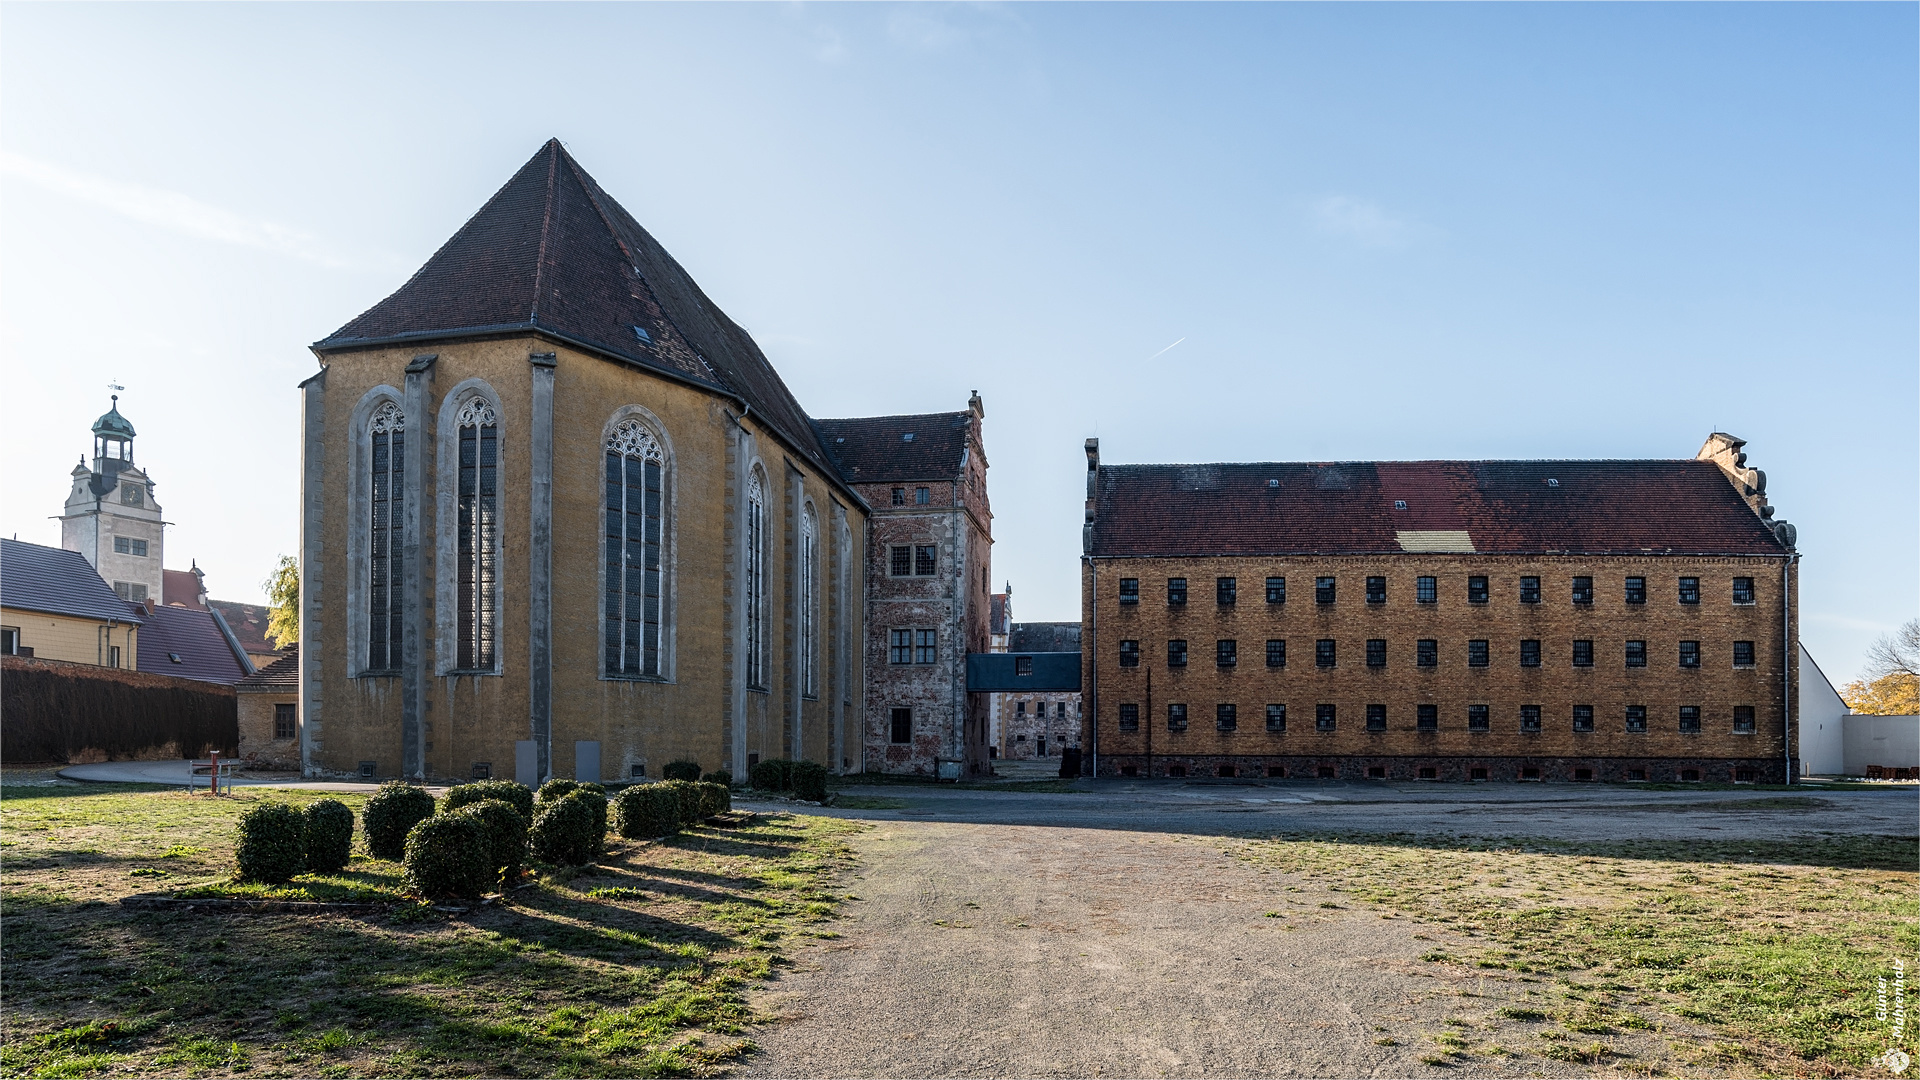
point(1161, 353)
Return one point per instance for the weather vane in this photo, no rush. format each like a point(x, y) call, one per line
point(115, 386)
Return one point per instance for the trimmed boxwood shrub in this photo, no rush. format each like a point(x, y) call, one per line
point(570, 830)
point(774, 774)
point(329, 836)
point(810, 780)
point(718, 776)
point(447, 855)
point(390, 815)
point(273, 844)
point(681, 770)
point(506, 836)
point(518, 796)
point(688, 796)
point(554, 790)
point(647, 811)
point(714, 799)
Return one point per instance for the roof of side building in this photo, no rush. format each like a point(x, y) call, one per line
point(34, 577)
point(188, 644)
point(1044, 637)
point(1666, 507)
point(282, 674)
point(883, 449)
point(248, 623)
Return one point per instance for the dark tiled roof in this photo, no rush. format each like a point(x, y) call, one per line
point(553, 252)
point(282, 674)
point(188, 644)
point(181, 587)
point(248, 623)
point(997, 613)
point(1044, 637)
point(58, 581)
point(1596, 507)
point(875, 449)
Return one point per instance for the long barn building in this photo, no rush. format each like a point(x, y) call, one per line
point(1443, 620)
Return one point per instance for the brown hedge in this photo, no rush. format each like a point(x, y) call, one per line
point(55, 710)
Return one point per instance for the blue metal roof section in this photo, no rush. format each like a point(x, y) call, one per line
point(1031, 672)
point(59, 582)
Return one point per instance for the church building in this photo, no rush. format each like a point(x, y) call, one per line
point(561, 517)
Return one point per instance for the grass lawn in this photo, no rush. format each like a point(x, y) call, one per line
point(638, 965)
point(1776, 944)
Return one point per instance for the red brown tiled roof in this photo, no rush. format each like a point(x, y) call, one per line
point(876, 449)
point(553, 253)
point(181, 588)
point(1287, 508)
point(248, 623)
point(282, 674)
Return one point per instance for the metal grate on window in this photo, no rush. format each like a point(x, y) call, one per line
point(1427, 718)
point(1129, 590)
point(1276, 718)
point(1376, 652)
point(1226, 717)
point(1529, 718)
point(1479, 718)
point(1583, 653)
point(1376, 590)
point(1743, 654)
point(1376, 718)
point(1427, 652)
point(1636, 654)
point(1176, 653)
point(1477, 590)
point(1529, 590)
point(1324, 717)
point(1130, 717)
point(1176, 717)
point(1689, 590)
point(1276, 653)
point(1583, 718)
point(1743, 590)
point(1226, 653)
point(1276, 590)
point(1426, 590)
point(1530, 653)
point(1478, 654)
point(1323, 653)
point(1636, 718)
point(1176, 590)
point(1323, 590)
point(1689, 654)
point(1636, 590)
point(1583, 590)
point(1129, 654)
point(1225, 591)
point(1690, 718)
point(1743, 719)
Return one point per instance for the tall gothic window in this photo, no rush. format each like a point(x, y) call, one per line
point(386, 454)
point(479, 535)
point(756, 580)
point(636, 514)
point(809, 598)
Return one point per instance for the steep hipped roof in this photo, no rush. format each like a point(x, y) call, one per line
point(281, 675)
point(61, 582)
point(1355, 507)
point(552, 253)
point(880, 449)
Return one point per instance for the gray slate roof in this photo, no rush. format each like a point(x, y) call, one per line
point(188, 644)
point(59, 582)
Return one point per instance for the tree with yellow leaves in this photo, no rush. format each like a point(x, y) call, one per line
point(1892, 683)
point(283, 602)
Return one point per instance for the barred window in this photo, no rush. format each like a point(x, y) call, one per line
point(1636, 654)
point(477, 543)
point(1129, 590)
point(1689, 590)
point(1276, 653)
point(1226, 653)
point(1530, 653)
point(1276, 590)
point(1376, 590)
point(901, 651)
point(1478, 654)
point(1479, 718)
point(1743, 590)
point(924, 642)
point(1376, 718)
point(923, 560)
point(1529, 590)
point(1529, 718)
point(1636, 590)
point(1477, 590)
point(635, 510)
point(1177, 717)
point(1130, 717)
point(1176, 591)
point(756, 582)
point(1427, 718)
point(809, 600)
point(1636, 718)
point(1583, 590)
point(1743, 654)
point(1583, 718)
point(1323, 717)
point(386, 485)
point(1276, 718)
point(1743, 719)
point(1225, 717)
point(1426, 652)
point(1129, 654)
point(1689, 654)
point(901, 725)
point(1176, 654)
point(900, 560)
point(1225, 591)
point(1376, 652)
point(1323, 653)
point(285, 715)
point(1323, 590)
point(1426, 590)
point(1690, 718)
point(1583, 653)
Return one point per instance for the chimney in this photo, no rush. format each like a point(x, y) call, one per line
point(979, 408)
point(1093, 481)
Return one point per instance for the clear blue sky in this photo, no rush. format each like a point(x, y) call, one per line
point(1376, 231)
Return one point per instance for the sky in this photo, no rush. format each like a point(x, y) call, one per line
point(1199, 232)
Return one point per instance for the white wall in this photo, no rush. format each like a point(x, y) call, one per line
point(1892, 741)
point(1822, 743)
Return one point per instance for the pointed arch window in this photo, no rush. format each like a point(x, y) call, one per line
point(477, 541)
point(386, 484)
point(635, 516)
point(809, 600)
point(756, 580)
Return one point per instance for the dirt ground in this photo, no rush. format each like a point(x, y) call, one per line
point(1112, 935)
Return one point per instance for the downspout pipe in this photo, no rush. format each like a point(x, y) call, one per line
point(1791, 657)
point(1093, 666)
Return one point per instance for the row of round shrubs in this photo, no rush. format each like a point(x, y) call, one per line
point(278, 842)
point(690, 772)
point(646, 811)
point(806, 779)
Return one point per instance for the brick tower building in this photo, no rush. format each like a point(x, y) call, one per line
point(1447, 620)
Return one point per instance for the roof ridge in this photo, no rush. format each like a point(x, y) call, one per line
point(546, 227)
point(894, 416)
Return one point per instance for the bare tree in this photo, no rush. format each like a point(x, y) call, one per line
point(1897, 653)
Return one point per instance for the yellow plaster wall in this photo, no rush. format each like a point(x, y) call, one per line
point(71, 638)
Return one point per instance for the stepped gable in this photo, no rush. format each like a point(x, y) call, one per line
point(876, 449)
point(552, 253)
point(1668, 507)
